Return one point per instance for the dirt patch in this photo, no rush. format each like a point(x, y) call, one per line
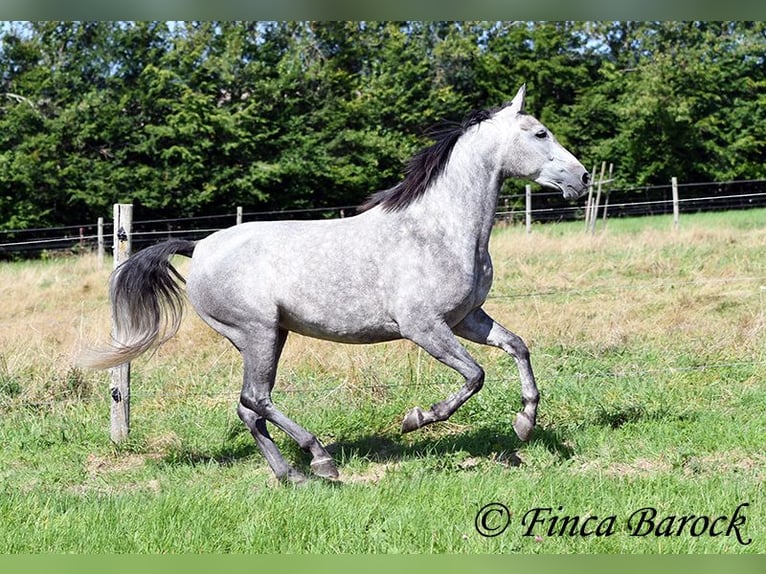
point(373, 474)
point(727, 462)
point(97, 466)
point(637, 467)
point(735, 461)
point(90, 487)
point(103, 475)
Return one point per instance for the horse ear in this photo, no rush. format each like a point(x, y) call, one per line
point(517, 103)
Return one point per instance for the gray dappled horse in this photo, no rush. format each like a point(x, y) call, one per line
point(414, 264)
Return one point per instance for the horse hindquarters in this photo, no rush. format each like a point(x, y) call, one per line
point(241, 310)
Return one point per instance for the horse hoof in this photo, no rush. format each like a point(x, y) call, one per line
point(413, 420)
point(523, 426)
point(324, 468)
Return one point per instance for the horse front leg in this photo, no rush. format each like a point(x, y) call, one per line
point(481, 328)
point(440, 342)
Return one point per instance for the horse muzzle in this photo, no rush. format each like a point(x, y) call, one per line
point(575, 188)
point(571, 184)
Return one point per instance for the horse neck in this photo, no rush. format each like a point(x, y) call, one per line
point(463, 199)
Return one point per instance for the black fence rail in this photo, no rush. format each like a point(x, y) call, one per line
point(72, 239)
point(547, 207)
point(640, 201)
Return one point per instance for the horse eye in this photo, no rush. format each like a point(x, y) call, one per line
point(542, 134)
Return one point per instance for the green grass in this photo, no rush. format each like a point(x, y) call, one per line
point(648, 345)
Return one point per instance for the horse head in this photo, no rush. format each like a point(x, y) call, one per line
point(538, 155)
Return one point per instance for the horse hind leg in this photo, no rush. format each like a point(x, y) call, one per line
point(257, 427)
point(322, 464)
point(260, 364)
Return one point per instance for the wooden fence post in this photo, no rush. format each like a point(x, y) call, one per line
point(606, 199)
point(594, 214)
point(239, 215)
point(588, 204)
point(528, 190)
point(120, 386)
point(100, 242)
point(674, 183)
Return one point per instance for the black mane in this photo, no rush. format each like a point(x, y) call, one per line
point(425, 166)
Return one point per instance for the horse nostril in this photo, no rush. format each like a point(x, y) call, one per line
point(585, 178)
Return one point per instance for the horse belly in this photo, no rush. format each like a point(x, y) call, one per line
point(341, 331)
point(347, 308)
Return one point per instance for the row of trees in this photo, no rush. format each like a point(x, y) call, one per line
point(193, 118)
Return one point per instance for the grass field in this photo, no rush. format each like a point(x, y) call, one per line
point(648, 345)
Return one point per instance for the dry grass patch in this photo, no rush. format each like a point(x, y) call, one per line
point(695, 286)
point(105, 476)
point(727, 462)
point(372, 473)
point(634, 468)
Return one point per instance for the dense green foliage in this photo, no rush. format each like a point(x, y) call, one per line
point(197, 118)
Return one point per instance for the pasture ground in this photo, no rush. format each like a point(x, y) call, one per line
point(648, 345)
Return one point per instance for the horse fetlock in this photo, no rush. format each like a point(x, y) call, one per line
point(530, 400)
point(292, 476)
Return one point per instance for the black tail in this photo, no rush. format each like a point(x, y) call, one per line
point(147, 304)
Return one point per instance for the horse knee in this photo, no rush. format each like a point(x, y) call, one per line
point(476, 382)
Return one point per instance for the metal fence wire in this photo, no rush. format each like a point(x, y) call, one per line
point(546, 207)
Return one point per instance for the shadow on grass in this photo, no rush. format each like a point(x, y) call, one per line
point(486, 443)
point(226, 455)
point(482, 443)
point(237, 445)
